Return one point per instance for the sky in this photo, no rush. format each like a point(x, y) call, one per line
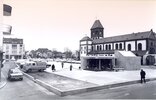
point(60, 24)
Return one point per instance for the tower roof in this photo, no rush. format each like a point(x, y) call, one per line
point(86, 38)
point(97, 24)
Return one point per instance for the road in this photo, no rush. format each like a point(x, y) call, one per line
point(23, 90)
point(135, 91)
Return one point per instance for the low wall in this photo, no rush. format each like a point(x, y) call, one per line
point(49, 87)
point(82, 90)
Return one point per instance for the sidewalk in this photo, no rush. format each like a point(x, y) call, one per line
point(3, 81)
point(104, 77)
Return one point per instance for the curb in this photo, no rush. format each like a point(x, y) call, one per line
point(43, 84)
point(3, 82)
point(81, 90)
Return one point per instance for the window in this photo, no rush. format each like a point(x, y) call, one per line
point(81, 48)
point(14, 46)
point(106, 47)
point(120, 46)
point(97, 47)
point(116, 46)
point(92, 48)
point(129, 47)
point(139, 46)
point(100, 47)
point(109, 47)
point(14, 52)
point(151, 43)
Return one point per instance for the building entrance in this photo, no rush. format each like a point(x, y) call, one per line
point(150, 60)
point(100, 64)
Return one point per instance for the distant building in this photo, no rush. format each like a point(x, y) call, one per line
point(102, 53)
point(13, 48)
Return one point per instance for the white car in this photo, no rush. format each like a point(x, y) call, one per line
point(15, 74)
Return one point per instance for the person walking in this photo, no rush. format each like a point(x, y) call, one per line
point(62, 64)
point(143, 74)
point(53, 67)
point(71, 67)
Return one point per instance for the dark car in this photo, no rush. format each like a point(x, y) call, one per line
point(15, 74)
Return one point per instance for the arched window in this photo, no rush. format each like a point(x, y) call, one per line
point(106, 47)
point(129, 47)
point(151, 51)
point(100, 47)
point(109, 47)
point(92, 48)
point(139, 46)
point(116, 46)
point(151, 43)
point(120, 46)
point(97, 47)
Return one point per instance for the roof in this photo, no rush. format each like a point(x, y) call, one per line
point(127, 37)
point(97, 24)
point(86, 38)
point(12, 41)
point(127, 53)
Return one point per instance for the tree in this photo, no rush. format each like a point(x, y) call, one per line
point(54, 53)
point(68, 53)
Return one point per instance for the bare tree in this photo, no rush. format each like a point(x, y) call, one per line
point(68, 53)
point(54, 53)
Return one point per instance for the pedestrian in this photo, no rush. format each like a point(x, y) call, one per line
point(62, 64)
point(53, 67)
point(142, 74)
point(71, 67)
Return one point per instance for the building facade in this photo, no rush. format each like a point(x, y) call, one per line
point(103, 51)
point(13, 48)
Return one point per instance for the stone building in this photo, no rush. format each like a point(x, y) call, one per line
point(106, 53)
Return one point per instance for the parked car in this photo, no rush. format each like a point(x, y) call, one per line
point(15, 74)
point(34, 65)
point(21, 62)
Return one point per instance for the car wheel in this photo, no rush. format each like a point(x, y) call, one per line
point(40, 70)
point(21, 79)
point(29, 70)
point(8, 78)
